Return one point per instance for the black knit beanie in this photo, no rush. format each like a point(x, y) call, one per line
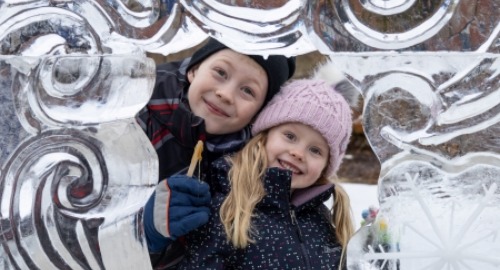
point(278, 67)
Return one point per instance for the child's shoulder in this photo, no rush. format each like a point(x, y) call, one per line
point(174, 68)
point(218, 177)
point(221, 164)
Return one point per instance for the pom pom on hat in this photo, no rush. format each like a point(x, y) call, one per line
point(277, 67)
point(333, 77)
point(315, 102)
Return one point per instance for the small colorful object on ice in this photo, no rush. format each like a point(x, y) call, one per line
point(369, 215)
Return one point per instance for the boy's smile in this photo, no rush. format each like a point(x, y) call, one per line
point(215, 110)
point(227, 90)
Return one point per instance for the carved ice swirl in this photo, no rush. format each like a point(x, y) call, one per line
point(48, 188)
point(421, 31)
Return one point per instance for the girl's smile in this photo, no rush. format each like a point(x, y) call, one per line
point(299, 148)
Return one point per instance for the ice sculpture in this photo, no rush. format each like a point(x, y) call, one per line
point(434, 131)
point(74, 73)
point(75, 166)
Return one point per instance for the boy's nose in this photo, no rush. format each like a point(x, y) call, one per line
point(225, 93)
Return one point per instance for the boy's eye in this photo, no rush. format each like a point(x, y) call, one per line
point(248, 91)
point(221, 72)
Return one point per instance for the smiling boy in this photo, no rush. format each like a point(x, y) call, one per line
point(227, 90)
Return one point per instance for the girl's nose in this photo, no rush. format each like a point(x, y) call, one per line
point(297, 153)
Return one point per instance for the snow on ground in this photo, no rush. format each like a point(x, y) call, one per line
point(362, 196)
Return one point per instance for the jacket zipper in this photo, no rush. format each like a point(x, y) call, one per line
point(299, 233)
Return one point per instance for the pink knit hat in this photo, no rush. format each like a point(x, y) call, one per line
point(317, 103)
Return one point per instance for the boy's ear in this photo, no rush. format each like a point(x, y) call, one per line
point(191, 73)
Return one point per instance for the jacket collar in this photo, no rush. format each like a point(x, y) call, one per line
point(312, 195)
point(228, 143)
point(277, 186)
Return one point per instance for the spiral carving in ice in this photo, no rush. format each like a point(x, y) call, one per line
point(48, 188)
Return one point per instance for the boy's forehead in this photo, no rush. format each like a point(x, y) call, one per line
point(237, 59)
point(233, 56)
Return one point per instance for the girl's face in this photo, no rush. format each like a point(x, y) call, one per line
point(227, 90)
point(300, 149)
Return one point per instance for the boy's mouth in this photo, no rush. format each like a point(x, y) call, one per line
point(216, 110)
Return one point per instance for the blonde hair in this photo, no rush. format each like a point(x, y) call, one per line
point(245, 176)
point(248, 167)
point(341, 216)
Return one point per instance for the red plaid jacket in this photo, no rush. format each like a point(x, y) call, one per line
point(174, 130)
point(168, 121)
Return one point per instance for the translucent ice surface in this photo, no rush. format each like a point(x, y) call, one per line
point(435, 129)
point(76, 168)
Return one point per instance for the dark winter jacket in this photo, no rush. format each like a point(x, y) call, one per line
point(291, 233)
point(174, 130)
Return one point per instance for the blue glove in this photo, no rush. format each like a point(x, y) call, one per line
point(178, 206)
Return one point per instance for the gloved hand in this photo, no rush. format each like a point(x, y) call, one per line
point(178, 206)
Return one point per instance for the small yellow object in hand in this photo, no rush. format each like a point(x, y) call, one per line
point(196, 159)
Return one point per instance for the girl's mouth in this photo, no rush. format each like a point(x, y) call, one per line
point(290, 167)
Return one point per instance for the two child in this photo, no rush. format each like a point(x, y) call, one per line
point(267, 200)
point(212, 96)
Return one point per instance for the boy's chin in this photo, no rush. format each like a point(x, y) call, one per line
point(217, 129)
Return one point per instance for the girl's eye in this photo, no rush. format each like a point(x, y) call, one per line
point(248, 91)
point(290, 136)
point(316, 151)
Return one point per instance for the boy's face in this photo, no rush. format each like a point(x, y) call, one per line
point(227, 90)
point(300, 149)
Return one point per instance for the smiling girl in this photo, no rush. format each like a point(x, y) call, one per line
point(271, 194)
